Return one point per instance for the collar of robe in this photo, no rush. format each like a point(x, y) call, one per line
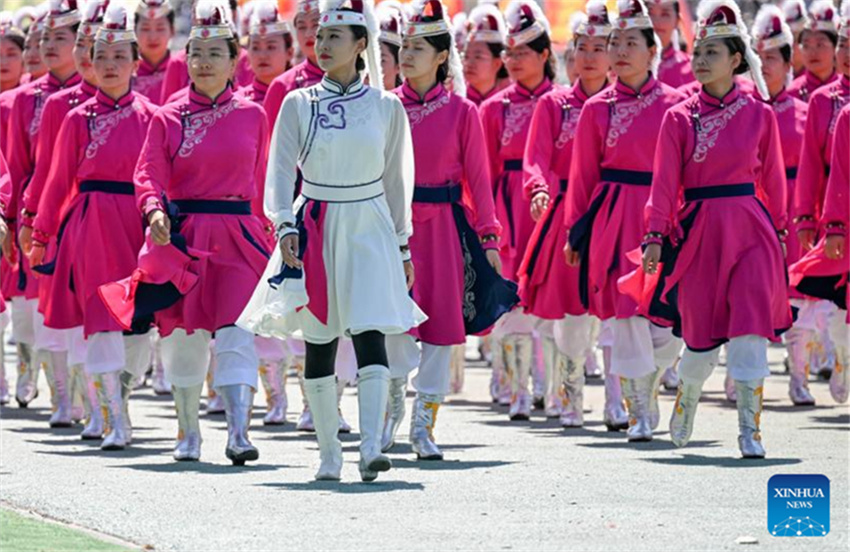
point(541, 89)
point(112, 103)
point(336, 88)
point(723, 102)
point(200, 99)
point(645, 89)
point(410, 94)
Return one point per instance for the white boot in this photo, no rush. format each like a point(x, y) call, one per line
point(457, 365)
point(395, 412)
point(573, 411)
point(798, 367)
point(59, 376)
point(344, 427)
point(615, 416)
point(322, 393)
point(638, 392)
point(519, 356)
point(422, 422)
point(95, 423)
point(187, 403)
point(273, 378)
point(538, 374)
point(654, 412)
point(750, 399)
point(684, 413)
point(238, 403)
point(158, 382)
point(26, 389)
point(128, 385)
point(729, 389)
point(4, 383)
point(305, 420)
point(79, 411)
point(592, 370)
point(670, 379)
point(111, 387)
point(838, 381)
point(372, 390)
point(554, 364)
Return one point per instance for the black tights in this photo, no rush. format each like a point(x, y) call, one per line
point(369, 348)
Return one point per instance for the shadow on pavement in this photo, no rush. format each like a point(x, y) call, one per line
point(723, 462)
point(447, 465)
point(203, 467)
point(655, 444)
point(347, 488)
point(839, 419)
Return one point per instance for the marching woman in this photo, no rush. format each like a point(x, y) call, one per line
point(723, 280)
point(11, 52)
point(774, 42)
point(393, 21)
point(483, 66)
point(269, 48)
point(548, 286)
point(506, 118)
point(343, 266)
point(201, 168)
point(796, 18)
point(461, 295)
point(90, 193)
point(824, 106)
point(34, 66)
point(608, 187)
point(818, 41)
point(675, 66)
point(823, 271)
point(154, 29)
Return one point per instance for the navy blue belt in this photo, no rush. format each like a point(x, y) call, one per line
point(512, 165)
point(826, 171)
point(791, 173)
point(212, 207)
point(563, 185)
point(724, 190)
point(635, 178)
point(437, 194)
point(107, 186)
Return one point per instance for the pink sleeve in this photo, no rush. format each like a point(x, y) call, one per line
point(771, 178)
point(490, 124)
point(539, 148)
point(60, 181)
point(477, 174)
point(5, 183)
point(273, 101)
point(260, 171)
point(20, 163)
point(586, 166)
point(176, 77)
point(836, 207)
point(153, 170)
point(810, 174)
point(51, 122)
point(660, 211)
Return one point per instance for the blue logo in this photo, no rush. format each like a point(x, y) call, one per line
point(798, 505)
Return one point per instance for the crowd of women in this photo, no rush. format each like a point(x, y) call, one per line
point(353, 193)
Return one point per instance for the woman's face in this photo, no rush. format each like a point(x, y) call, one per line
point(591, 58)
point(389, 66)
point(210, 65)
point(818, 52)
point(306, 29)
point(82, 57)
point(11, 64)
point(154, 36)
point(842, 56)
point(114, 65)
point(57, 48)
point(713, 61)
point(629, 54)
point(337, 49)
point(269, 56)
point(480, 66)
point(773, 68)
point(33, 63)
point(664, 20)
point(524, 64)
point(419, 59)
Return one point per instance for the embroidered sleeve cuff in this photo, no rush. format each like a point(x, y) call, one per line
point(806, 222)
point(39, 236)
point(27, 218)
point(836, 229)
point(405, 253)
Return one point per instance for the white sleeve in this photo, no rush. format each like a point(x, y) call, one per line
point(399, 171)
point(283, 163)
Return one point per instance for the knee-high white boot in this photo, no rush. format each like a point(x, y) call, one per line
point(111, 387)
point(273, 378)
point(684, 412)
point(750, 402)
point(58, 375)
point(553, 362)
point(322, 393)
point(798, 366)
point(372, 390)
point(422, 422)
point(187, 403)
point(395, 412)
point(574, 377)
point(615, 416)
point(238, 403)
point(26, 389)
point(95, 423)
point(79, 410)
point(518, 350)
point(638, 392)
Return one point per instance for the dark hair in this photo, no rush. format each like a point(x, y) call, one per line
point(833, 37)
point(169, 17)
point(17, 40)
point(394, 50)
point(649, 35)
point(360, 32)
point(441, 43)
point(736, 46)
point(232, 47)
point(496, 48)
point(785, 52)
point(134, 48)
point(541, 44)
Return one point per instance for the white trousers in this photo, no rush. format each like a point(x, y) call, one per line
point(433, 361)
point(187, 357)
point(746, 360)
point(573, 336)
point(28, 327)
point(838, 329)
point(113, 351)
point(640, 347)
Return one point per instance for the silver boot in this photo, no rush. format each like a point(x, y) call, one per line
point(321, 392)
point(638, 393)
point(518, 350)
point(59, 376)
point(4, 383)
point(79, 410)
point(187, 403)
point(273, 378)
point(684, 413)
point(615, 416)
point(838, 380)
point(750, 399)
point(372, 389)
point(654, 412)
point(423, 418)
point(553, 363)
point(573, 411)
point(798, 367)
point(128, 385)
point(395, 412)
point(26, 389)
point(238, 402)
point(95, 420)
point(111, 386)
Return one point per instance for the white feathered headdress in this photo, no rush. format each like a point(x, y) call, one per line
point(430, 18)
point(62, 13)
point(822, 17)
point(486, 24)
point(633, 14)
point(526, 22)
point(595, 22)
point(770, 29)
point(392, 19)
point(93, 12)
point(362, 14)
point(211, 21)
point(118, 23)
point(844, 19)
point(265, 19)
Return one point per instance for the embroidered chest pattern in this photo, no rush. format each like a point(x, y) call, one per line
point(36, 115)
point(711, 126)
point(569, 122)
point(196, 127)
point(783, 106)
point(624, 115)
point(145, 83)
point(838, 102)
point(102, 125)
point(516, 118)
point(421, 112)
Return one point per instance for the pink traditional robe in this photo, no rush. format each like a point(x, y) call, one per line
point(610, 176)
point(478, 98)
point(177, 73)
point(506, 118)
point(302, 75)
point(150, 79)
point(807, 84)
point(675, 68)
point(256, 92)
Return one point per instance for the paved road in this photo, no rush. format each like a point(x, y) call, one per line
point(503, 486)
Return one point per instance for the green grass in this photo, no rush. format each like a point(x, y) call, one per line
point(23, 534)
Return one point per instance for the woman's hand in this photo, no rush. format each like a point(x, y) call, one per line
point(572, 257)
point(651, 257)
point(160, 227)
point(36, 254)
point(409, 274)
point(25, 237)
point(4, 230)
point(834, 247)
point(289, 251)
point(8, 244)
point(806, 237)
point(494, 259)
point(539, 204)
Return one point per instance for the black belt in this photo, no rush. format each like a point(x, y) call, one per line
point(512, 165)
point(437, 194)
point(635, 178)
point(212, 207)
point(724, 190)
point(107, 186)
point(791, 173)
point(563, 185)
point(826, 171)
